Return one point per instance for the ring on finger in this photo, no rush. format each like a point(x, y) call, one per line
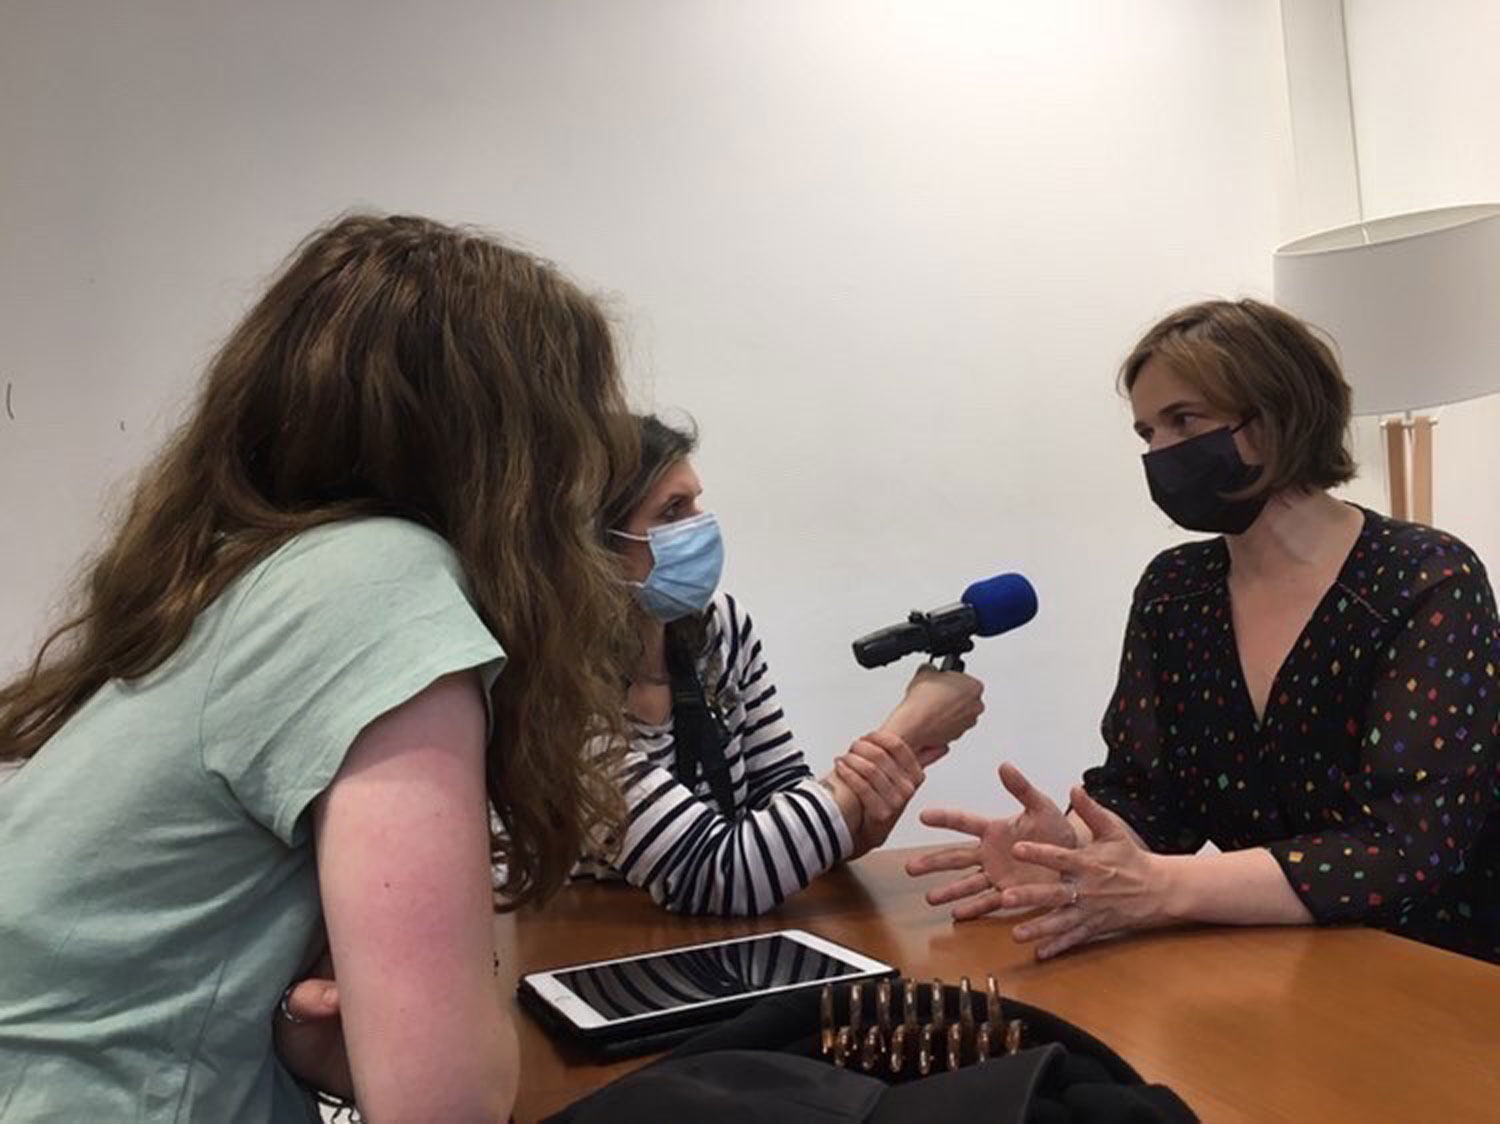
point(1073, 892)
point(285, 1008)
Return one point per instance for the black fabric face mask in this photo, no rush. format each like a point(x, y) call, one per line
point(1188, 481)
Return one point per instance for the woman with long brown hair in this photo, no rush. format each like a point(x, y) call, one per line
point(362, 590)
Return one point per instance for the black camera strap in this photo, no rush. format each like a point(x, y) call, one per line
point(698, 732)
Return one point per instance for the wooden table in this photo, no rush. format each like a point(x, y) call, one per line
point(1300, 1025)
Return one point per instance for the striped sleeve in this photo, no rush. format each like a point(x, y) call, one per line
point(692, 858)
point(786, 828)
point(771, 758)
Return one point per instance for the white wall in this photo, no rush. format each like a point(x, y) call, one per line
point(1425, 87)
point(888, 254)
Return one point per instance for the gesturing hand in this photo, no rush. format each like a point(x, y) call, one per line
point(991, 861)
point(1109, 885)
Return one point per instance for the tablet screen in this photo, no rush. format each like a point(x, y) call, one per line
point(669, 980)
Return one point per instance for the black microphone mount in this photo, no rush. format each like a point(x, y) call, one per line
point(945, 634)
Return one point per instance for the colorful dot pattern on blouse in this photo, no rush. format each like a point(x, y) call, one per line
point(1374, 775)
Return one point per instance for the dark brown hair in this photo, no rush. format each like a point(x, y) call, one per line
point(662, 446)
point(397, 367)
point(1252, 360)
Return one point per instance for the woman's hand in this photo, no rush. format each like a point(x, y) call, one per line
point(883, 773)
point(310, 1034)
point(1109, 885)
point(991, 860)
point(939, 707)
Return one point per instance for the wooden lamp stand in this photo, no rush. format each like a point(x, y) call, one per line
point(1408, 462)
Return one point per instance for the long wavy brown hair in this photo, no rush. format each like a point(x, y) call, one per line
point(398, 367)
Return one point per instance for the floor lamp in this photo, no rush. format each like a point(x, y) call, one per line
point(1413, 303)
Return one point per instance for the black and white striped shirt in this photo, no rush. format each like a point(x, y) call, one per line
point(785, 830)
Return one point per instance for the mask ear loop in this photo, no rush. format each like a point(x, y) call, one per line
point(635, 538)
point(1254, 414)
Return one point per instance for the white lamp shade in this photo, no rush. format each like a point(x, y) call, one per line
point(1412, 301)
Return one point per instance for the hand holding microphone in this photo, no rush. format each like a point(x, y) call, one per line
point(883, 770)
point(941, 705)
point(877, 778)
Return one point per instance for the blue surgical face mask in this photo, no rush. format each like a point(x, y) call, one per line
point(687, 561)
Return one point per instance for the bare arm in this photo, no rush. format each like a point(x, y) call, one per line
point(1234, 888)
point(1231, 888)
point(1112, 885)
point(403, 861)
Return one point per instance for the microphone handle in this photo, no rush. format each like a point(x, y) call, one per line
point(951, 663)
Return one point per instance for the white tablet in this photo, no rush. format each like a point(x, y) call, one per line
point(672, 988)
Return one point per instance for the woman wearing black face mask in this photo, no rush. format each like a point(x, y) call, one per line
point(1315, 691)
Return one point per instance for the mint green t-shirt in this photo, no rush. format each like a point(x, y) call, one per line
point(158, 887)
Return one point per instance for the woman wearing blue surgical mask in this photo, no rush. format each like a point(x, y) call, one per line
point(724, 815)
point(1314, 690)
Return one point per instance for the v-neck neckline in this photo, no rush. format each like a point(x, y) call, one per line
point(1367, 520)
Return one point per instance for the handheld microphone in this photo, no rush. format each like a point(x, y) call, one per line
point(986, 608)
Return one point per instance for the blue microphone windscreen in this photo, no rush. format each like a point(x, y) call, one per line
point(1001, 603)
